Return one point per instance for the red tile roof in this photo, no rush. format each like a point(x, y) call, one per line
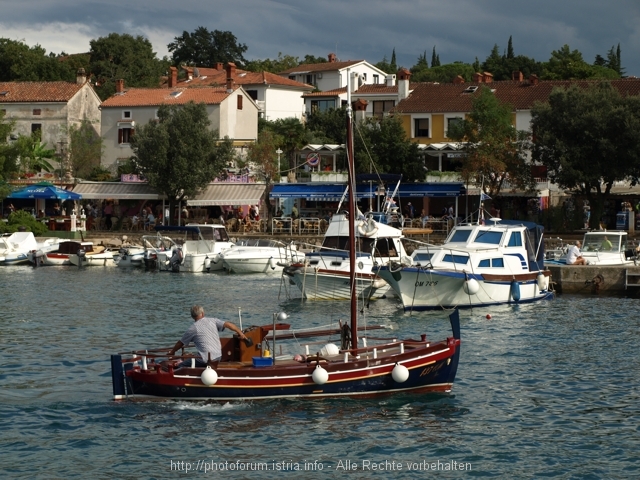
point(22, 92)
point(321, 67)
point(449, 97)
point(140, 97)
point(327, 93)
point(215, 77)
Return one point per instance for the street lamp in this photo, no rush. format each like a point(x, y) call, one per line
point(278, 151)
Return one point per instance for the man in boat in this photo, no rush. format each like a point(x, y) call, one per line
point(204, 333)
point(606, 244)
point(573, 255)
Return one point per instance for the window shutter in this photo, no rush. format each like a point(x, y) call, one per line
point(119, 135)
point(239, 102)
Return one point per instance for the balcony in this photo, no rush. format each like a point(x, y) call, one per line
point(329, 177)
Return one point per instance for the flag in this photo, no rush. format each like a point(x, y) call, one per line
point(484, 196)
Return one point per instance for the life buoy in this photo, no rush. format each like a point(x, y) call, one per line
point(368, 227)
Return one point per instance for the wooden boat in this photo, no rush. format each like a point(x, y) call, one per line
point(359, 367)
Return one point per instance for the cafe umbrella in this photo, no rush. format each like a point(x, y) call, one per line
point(44, 190)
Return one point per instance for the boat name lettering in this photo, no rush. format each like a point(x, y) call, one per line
point(427, 284)
point(431, 368)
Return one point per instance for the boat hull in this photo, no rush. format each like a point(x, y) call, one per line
point(424, 289)
point(321, 284)
point(96, 260)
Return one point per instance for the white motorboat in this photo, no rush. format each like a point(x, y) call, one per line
point(478, 265)
point(197, 246)
point(131, 256)
point(602, 247)
point(324, 275)
point(154, 244)
point(60, 255)
point(259, 256)
point(98, 256)
point(15, 248)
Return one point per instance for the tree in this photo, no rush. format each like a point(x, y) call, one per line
point(421, 68)
point(203, 48)
point(277, 65)
point(7, 152)
point(124, 57)
point(381, 146)
point(496, 151)
point(33, 155)
point(435, 59)
point(178, 154)
point(567, 64)
point(393, 65)
point(85, 149)
point(292, 136)
point(264, 159)
point(510, 53)
point(445, 73)
point(385, 66)
point(588, 139)
point(19, 62)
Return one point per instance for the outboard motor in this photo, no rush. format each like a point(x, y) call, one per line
point(176, 260)
point(81, 256)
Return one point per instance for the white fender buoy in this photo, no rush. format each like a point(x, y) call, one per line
point(471, 286)
point(329, 349)
point(406, 261)
point(209, 376)
point(400, 373)
point(272, 263)
point(216, 259)
point(541, 280)
point(320, 375)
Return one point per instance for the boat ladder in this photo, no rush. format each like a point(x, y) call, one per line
point(631, 279)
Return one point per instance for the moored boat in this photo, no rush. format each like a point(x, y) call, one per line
point(259, 256)
point(478, 265)
point(602, 247)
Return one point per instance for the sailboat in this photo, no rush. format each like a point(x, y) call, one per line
point(250, 370)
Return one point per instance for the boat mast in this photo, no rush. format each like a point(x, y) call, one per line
point(352, 218)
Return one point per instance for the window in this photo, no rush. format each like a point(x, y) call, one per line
point(381, 107)
point(308, 79)
point(322, 105)
point(489, 237)
point(460, 236)
point(493, 263)
point(37, 111)
point(422, 259)
point(36, 127)
point(376, 79)
point(253, 94)
point(239, 102)
point(461, 259)
point(421, 127)
point(126, 114)
point(452, 121)
point(515, 240)
point(124, 135)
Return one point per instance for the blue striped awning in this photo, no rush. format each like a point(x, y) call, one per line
point(334, 191)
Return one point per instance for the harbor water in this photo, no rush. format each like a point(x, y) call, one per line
point(548, 390)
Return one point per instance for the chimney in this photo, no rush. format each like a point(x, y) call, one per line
point(219, 66)
point(355, 81)
point(477, 77)
point(81, 77)
point(533, 79)
point(119, 86)
point(391, 80)
point(458, 80)
point(517, 76)
point(332, 58)
point(403, 77)
point(360, 109)
point(173, 77)
point(487, 77)
point(231, 75)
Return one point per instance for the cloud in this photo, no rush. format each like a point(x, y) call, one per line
point(461, 30)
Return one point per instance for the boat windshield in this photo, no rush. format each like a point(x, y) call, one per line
point(422, 258)
point(601, 242)
point(461, 259)
point(460, 236)
point(340, 242)
point(491, 237)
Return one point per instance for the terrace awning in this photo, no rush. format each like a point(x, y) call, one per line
point(334, 192)
point(229, 194)
point(116, 191)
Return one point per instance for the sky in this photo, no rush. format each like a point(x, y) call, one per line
point(460, 30)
